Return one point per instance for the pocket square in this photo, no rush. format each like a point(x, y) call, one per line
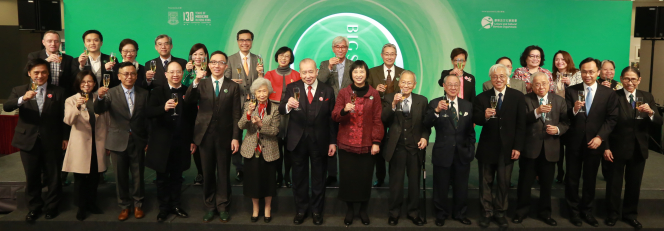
point(327, 99)
point(464, 113)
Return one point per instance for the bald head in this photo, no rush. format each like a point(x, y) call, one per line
point(308, 71)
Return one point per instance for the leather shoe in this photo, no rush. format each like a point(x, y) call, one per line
point(198, 180)
point(267, 219)
point(378, 183)
point(239, 175)
point(416, 220)
point(138, 213)
point(299, 218)
point(440, 222)
point(610, 221)
point(517, 220)
point(225, 216)
point(576, 221)
point(484, 221)
point(94, 209)
point(548, 220)
point(31, 216)
point(124, 214)
point(50, 214)
point(162, 216)
point(254, 219)
point(590, 219)
point(330, 180)
point(80, 215)
point(180, 212)
point(464, 220)
point(289, 184)
point(502, 221)
point(393, 221)
point(634, 223)
point(209, 216)
point(318, 219)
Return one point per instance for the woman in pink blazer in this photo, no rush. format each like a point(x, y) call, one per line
point(85, 158)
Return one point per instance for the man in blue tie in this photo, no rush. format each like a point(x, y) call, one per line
point(593, 112)
point(501, 143)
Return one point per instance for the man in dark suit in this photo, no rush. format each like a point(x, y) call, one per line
point(459, 57)
point(333, 73)
point(546, 121)
point(627, 149)
point(246, 63)
point(216, 133)
point(385, 79)
point(407, 138)
point(453, 151)
point(591, 122)
point(127, 137)
point(60, 65)
point(163, 44)
point(501, 142)
point(312, 137)
point(172, 122)
point(94, 60)
point(40, 136)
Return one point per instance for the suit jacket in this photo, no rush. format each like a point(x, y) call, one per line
point(418, 110)
point(235, 61)
point(48, 126)
point(163, 129)
point(468, 85)
point(66, 79)
point(229, 112)
point(377, 76)
point(160, 71)
point(103, 58)
point(599, 122)
point(630, 133)
point(267, 134)
point(122, 123)
point(450, 138)
point(536, 135)
point(331, 77)
point(141, 80)
point(517, 84)
point(79, 149)
point(503, 134)
point(325, 127)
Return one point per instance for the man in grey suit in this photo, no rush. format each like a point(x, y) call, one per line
point(332, 72)
point(241, 68)
point(127, 137)
point(546, 121)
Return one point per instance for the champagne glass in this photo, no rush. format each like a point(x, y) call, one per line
point(353, 97)
point(253, 101)
point(59, 57)
point(447, 102)
point(33, 87)
point(494, 104)
point(87, 54)
point(639, 102)
point(204, 65)
point(86, 95)
point(582, 98)
point(111, 59)
point(459, 64)
point(174, 96)
point(153, 65)
point(239, 72)
point(296, 93)
point(107, 80)
point(260, 62)
point(399, 107)
point(547, 116)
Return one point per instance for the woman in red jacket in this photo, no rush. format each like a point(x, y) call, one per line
point(357, 111)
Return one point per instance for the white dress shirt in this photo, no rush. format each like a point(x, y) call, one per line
point(627, 94)
point(95, 65)
point(242, 56)
point(306, 89)
point(39, 88)
point(392, 69)
point(221, 82)
point(164, 60)
point(592, 96)
point(403, 103)
point(538, 115)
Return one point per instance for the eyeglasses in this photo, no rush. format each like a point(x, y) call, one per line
point(132, 74)
point(88, 82)
point(588, 72)
point(175, 72)
point(163, 44)
point(407, 83)
point(630, 80)
point(341, 47)
point(452, 86)
point(390, 54)
point(499, 77)
point(535, 57)
point(128, 51)
point(220, 63)
point(538, 85)
point(244, 40)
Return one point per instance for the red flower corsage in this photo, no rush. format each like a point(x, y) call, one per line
point(49, 96)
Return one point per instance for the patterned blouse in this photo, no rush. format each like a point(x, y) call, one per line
point(523, 74)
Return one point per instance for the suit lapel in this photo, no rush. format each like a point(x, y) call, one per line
point(222, 91)
point(346, 80)
point(381, 75)
point(319, 94)
point(625, 107)
point(303, 95)
point(48, 100)
point(123, 96)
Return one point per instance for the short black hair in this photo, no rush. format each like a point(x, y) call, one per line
point(504, 57)
point(170, 63)
point(458, 51)
point(358, 64)
point(128, 41)
point(101, 38)
point(79, 78)
point(283, 50)
point(524, 56)
point(125, 64)
point(244, 31)
point(588, 60)
point(32, 63)
point(219, 52)
point(630, 69)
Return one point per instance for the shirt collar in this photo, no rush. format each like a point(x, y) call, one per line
point(43, 86)
point(546, 97)
point(410, 98)
point(456, 99)
point(627, 93)
point(127, 90)
point(313, 85)
point(171, 87)
point(168, 59)
point(497, 92)
point(214, 79)
point(391, 68)
point(594, 86)
point(242, 56)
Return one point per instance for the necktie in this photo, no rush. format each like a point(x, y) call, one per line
point(40, 99)
point(309, 95)
point(589, 100)
point(389, 83)
point(246, 67)
point(165, 64)
point(131, 103)
point(455, 117)
point(406, 109)
point(216, 88)
point(500, 100)
point(631, 101)
point(541, 103)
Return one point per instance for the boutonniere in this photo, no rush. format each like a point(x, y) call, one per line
point(320, 98)
point(371, 97)
point(49, 96)
point(225, 90)
point(182, 96)
point(466, 78)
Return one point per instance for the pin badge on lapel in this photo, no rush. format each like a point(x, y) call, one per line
point(320, 98)
point(225, 90)
point(371, 97)
point(49, 96)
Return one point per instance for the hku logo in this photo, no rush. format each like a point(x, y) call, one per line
point(173, 18)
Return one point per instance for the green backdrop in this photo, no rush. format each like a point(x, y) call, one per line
point(424, 30)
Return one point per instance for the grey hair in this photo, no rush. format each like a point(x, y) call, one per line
point(161, 36)
point(259, 82)
point(338, 40)
point(607, 61)
point(538, 74)
point(495, 67)
point(389, 45)
point(445, 79)
point(410, 73)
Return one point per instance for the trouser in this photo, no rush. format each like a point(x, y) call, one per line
point(456, 175)
point(528, 169)
point(404, 163)
point(305, 153)
point(493, 197)
point(130, 161)
point(33, 162)
point(581, 161)
point(216, 160)
point(632, 171)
